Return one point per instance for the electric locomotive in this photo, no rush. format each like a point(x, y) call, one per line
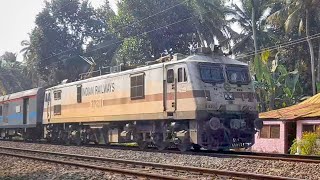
point(202, 100)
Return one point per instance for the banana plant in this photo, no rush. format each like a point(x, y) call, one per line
point(276, 87)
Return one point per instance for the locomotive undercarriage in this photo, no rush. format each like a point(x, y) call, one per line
point(228, 131)
point(161, 134)
point(26, 134)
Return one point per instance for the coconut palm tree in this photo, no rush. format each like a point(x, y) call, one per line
point(299, 15)
point(26, 48)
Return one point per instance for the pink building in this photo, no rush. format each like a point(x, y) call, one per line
point(282, 126)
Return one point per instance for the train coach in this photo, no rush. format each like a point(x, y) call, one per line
point(21, 114)
point(205, 100)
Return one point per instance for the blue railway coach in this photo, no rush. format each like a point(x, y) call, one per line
point(21, 114)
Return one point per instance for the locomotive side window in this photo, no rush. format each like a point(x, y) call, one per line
point(137, 87)
point(57, 95)
point(79, 96)
point(182, 75)
point(57, 109)
point(170, 76)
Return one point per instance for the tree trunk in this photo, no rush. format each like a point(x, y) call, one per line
point(313, 79)
point(254, 29)
point(318, 66)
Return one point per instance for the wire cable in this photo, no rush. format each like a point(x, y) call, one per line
point(290, 43)
point(143, 19)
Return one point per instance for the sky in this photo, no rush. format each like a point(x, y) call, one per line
point(17, 20)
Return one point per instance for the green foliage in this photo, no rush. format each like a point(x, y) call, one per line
point(66, 29)
point(307, 144)
point(133, 51)
point(277, 87)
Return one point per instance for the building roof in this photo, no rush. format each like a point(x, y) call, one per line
point(309, 108)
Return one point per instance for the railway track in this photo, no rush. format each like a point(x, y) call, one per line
point(233, 154)
point(132, 168)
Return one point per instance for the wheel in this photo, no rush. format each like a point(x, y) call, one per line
point(184, 146)
point(159, 142)
point(142, 144)
point(77, 139)
point(196, 147)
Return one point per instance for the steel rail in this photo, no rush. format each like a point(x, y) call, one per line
point(207, 171)
point(269, 156)
point(235, 154)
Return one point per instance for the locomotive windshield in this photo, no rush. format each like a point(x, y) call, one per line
point(211, 73)
point(238, 74)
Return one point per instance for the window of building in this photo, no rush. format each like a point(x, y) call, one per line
point(170, 76)
point(57, 95)
point(57, 109)
point(79, 95)
point(310, 127)
point(137, 87)
point(270, 132)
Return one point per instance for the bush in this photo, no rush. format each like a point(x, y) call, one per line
point(307, 144)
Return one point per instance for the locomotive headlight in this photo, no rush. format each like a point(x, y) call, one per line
point(228, 96)
point(214, 123)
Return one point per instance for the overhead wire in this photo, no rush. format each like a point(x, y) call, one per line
point(143, 19)
point(282, 45)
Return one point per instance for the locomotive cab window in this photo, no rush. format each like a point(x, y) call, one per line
point(137, 87)
point(57, 95)
point(170, 76)
point(182, 75)
point(211, 73)
point(238, 75)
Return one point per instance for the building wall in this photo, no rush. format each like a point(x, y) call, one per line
point(271, 145)
point(300, 123)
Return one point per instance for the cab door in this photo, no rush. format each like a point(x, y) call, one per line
point(48, 105)
point(171, 90)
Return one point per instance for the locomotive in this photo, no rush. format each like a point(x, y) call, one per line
point(202, 100)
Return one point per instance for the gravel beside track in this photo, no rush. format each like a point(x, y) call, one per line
point(12, 168)
point(269, 167)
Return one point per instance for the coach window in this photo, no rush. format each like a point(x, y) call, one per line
point(57, 109)
point(137, 87)
point(170, 76)
point(79, 96)
point(57, 95)
point(270, 132)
